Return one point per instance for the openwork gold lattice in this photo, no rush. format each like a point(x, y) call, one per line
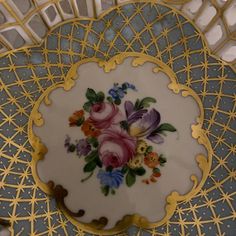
point(26, 74)
point(26, 22)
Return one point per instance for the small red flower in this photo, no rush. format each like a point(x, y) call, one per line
point(157, 174)
point(89, 129)
point(77, 118)
point(151, 160)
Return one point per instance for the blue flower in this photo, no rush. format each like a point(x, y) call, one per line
point(113, 179)
point(118, 92)
point(114, 94)
point(130, 86)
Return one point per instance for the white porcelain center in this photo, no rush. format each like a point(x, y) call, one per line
point(147, 195)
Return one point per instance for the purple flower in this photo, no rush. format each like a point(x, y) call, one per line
point(112, 179)
point(131, 114)
point(145, 125)
point(155, 138)
point(83, 147)
point(67, 142)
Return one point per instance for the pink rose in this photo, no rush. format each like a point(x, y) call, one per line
point(104, 114)
point(116, 147)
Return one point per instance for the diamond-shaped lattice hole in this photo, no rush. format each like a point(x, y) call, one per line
point(23, 5)
point(215, 34)
point(51, 13)
point(192, 7)
point(14, 38)
point(2, 18)
point(107, 3)
point(206, 16)
point(37, 25)
point(228, 53)
point(230, 15)
point(66, 7)
point(82, 6)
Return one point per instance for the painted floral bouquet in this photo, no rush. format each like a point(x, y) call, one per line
point(118, 144)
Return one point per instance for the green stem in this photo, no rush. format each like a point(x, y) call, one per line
point(85, 179)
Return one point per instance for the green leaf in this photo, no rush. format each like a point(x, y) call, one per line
point(139, 171)
point(124, 125)
point(109, 99)
point(130, 178)
point(91, 95)
point(166, 127)
point(98, 162)
point(87, 106)
point(93, 141)
point(156, 170)
point(100, 97)
point(71, 148)
point(113, 192)
point(117, 101)
point(86, 178)
point(80, 121)
point(149, 149)
point(105, 190)
point(90, 166)
point(92, 156)
point(124, 86)
point(145, 102)
point(124, 169)
point(162, 160)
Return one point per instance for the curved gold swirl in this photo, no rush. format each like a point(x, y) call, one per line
point(197, 133)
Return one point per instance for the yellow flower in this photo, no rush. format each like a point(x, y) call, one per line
point(136, 162)
point(141, 147)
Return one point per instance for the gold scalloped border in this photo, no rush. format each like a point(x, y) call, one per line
point(197, 132)
point(176, 1)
